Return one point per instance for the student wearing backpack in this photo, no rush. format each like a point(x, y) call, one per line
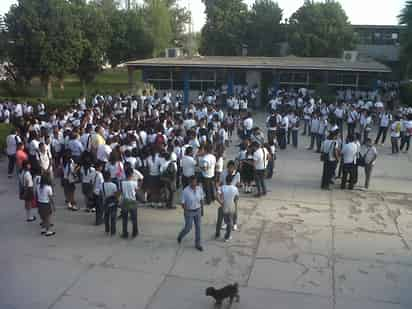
point(370, 157)
point(109, 197)
point(12, 141)
point(168, 172)
point(26, 189)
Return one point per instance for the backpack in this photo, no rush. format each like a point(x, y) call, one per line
point(273, 121)
point(159, 140)
point(170, 171)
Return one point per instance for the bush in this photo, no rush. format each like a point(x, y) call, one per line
point(4, 132)
point(406, 94)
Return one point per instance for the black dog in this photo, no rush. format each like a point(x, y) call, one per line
point(230, 291)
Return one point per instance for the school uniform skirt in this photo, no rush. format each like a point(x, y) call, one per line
point(247, 173)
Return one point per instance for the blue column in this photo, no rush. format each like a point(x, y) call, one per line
point(230, 83)
point(144, 74)
point(186, 88)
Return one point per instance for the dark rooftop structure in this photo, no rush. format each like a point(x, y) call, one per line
point(271, 63)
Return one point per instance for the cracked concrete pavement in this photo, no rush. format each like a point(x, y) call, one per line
point(297, 248)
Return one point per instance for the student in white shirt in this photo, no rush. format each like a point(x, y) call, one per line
point(260, 159)
point(408, 133)
point(349, 152)
point(128, 190)
point(44, 198)
point(26, 187)
point(370, 155)
point(11, 143)
point(188, 165)
point(395, 134)
point(88, 177)
point(208, 166)
point(385, 119)
point(228, 197)
point(314, 130)
point(110, 203)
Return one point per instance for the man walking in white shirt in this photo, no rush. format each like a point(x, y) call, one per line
point(11, 142)
point(349, 153)
point(260, 160)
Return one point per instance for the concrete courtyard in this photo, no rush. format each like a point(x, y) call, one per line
point(299, 247)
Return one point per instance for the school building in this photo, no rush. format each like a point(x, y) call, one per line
point(201, 73)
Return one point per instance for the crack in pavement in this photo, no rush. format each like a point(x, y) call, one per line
point(395, 215)
point(259, 239)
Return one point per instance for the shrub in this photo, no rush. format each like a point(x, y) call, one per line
point(406, 94)
point(4, 132)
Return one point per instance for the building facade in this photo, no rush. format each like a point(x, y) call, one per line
point(194, 74)
point(382, 43)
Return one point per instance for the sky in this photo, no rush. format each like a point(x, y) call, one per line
point(364, 12)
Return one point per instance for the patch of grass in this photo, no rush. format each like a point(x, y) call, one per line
point(111, 81)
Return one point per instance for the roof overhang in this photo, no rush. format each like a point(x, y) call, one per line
point(263, 63)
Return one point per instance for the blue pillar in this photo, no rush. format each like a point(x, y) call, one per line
point(144, 74)
point(186, 88)
point(230, 83)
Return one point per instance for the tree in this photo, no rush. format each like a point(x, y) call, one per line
point(95, 41)
point(405, 18)
point(158, 21)
point(264, 30)
point(179, 18)
point(320, 30)
point(224, 31)
point(130, 37)
point(43, 40)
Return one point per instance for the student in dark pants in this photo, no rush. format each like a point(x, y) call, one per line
point(192, 203)
point(385, 119)
point(110, 203)
point(330, 156)
point(350, 152)
point(129, 189)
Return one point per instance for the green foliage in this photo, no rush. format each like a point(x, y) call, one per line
point(107, 82)
point(95, 41)
point(44, 38)
point(179, 18)
point(406, 39)
point(406, 94)
point(158, 20)
point(264, 30)
point(320, 29)
point(5, 130)
point(130, 37)
point(224, 31)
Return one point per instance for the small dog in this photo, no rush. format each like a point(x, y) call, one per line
point(230, 291)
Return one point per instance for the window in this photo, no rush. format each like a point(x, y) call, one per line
point(395, 36)
point(161, 85)
point(317, 77)
point(299, 77)
point(157, 74)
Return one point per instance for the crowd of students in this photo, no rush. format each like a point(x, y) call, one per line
point(124, 152)
point(129, 151)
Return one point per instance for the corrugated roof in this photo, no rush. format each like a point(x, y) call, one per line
point(282, 63)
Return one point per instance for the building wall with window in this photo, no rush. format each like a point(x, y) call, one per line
point(379, 42)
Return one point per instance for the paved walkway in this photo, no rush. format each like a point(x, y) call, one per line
point(297, 248)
